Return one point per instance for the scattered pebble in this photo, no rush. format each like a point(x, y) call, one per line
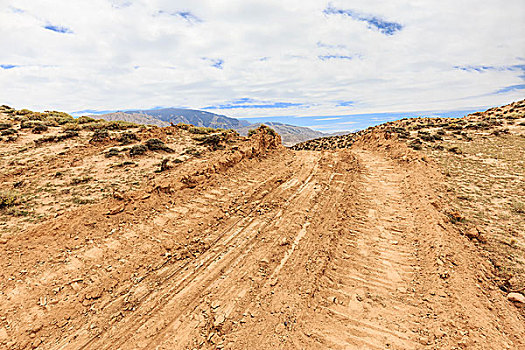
point(516, 298)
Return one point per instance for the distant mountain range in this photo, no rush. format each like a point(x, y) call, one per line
point(290, 134)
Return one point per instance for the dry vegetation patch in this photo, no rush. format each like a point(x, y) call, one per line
point(51, 162)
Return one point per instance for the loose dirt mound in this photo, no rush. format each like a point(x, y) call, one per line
point(256, 246)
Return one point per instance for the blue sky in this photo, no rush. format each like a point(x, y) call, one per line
point(331, 65)
point(330, 124)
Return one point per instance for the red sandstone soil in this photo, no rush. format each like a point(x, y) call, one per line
point(345, 249)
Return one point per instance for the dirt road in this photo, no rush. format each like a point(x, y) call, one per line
point(344, 249)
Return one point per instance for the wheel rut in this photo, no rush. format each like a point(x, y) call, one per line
point(371, 270)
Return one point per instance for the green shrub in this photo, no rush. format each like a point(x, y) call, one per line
point(57, 138)
point(100, 136)
point(214, 141)
point(268, 130)
point(8, 199)
point(137, 150)
point(112, 152)
point(201, 130)
point(4, 126)
point(85, 119)
point(127, 138)
point(120, 125)
point(23, 112)
point(455, 150)
point(263, 128)
point(192, 151)
point(80, 180)
point(8, 132)
point(157, 145)
point(69, 126)
point(112, 125)
point(39, 129)
point(29, 124)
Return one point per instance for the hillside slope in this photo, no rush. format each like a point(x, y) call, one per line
point(175, 116)
point(135, 117)
point(244, 244)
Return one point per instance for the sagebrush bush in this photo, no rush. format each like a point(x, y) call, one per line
point(157, 145)
point(69, 126)
point(202, 130)
point(85, 119)
point(8, 199)
point(137, 150)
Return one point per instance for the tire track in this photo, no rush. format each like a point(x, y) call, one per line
point(234, 242)
point(372, 269)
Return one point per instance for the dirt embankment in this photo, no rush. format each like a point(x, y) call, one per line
point(257, 246)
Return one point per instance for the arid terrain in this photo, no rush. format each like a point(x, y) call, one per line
point(409, 235)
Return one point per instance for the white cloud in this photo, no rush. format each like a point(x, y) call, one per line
point(336, 118)
point(139, 54)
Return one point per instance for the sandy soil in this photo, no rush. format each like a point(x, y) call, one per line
point(260, 247)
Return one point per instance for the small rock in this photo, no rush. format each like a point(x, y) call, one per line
point(36, 343)
point(284, 241)
point(115, 210)
point(3, 241)
point(219, 320)
point(76, 287)
point(475, 233)
point(516, 298)
point(423, 340)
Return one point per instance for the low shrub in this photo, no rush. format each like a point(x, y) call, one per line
point(192, 151)
point(8, 199)
point(8, 132)
point(85, 119)
point(112, 152)
point(137, 150)
point(157, 145)
point(57, 138)
point(30, 124)
point(80, 180)
point(23, 112)
point(39, 129)
point(263, 128)
point(69, 126)
point(127, 138)
point(99, 136)
point(201, 130)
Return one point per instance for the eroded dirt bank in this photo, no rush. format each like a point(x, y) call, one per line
point(345, 249)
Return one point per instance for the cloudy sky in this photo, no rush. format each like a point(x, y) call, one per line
point(331, 65)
